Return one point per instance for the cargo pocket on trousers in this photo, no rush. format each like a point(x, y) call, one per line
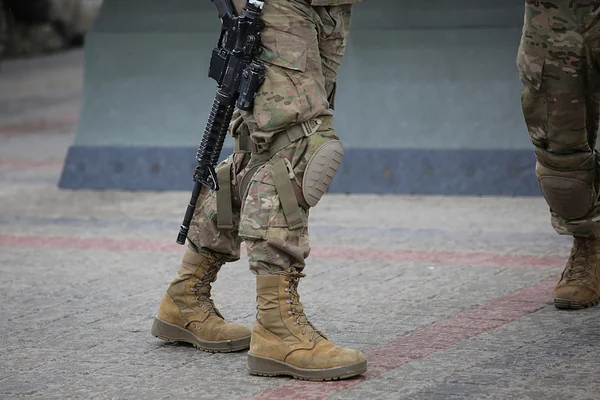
point(534, 101)
point(283, 97)
point(262, 213)
point(288, 223)
point(284, 50)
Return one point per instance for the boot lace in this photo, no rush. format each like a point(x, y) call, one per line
point(202, 288)
point(297, 310)
point(581, 261)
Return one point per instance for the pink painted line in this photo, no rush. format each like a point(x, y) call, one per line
point(437, 257)
point(424, 342)
point(38, 125)
point(329, 252)
point(88, 243)
point(30, 164)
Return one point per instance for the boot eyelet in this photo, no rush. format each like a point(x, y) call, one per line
point(290, 313)
point(288, 302)
point(295, 323)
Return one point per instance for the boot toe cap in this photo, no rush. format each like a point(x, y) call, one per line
point(573, 293)
point(234, 332)
point(347, 357)
point(339, 357)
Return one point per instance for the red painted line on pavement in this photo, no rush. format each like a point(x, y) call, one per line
point(38, 125)
point(424, 342)
point(88, 243)
point(30, 164)
point(437, 257)
point(328, 252)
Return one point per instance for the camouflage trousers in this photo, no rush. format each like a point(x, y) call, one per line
point(558, 61)
point(264, 200)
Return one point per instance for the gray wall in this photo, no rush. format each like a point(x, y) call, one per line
point(418, 76)
point(423, 74)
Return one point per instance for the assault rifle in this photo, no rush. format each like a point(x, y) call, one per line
point(239, 75)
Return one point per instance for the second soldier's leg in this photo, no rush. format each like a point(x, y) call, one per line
point(560, 105)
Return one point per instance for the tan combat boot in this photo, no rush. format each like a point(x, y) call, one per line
point(188, 314)
point(579, 285)
point(285, 343)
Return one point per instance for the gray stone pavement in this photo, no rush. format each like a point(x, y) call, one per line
point(450, 297)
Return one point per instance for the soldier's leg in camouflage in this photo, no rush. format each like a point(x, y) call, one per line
point(187, 312)
point(292, 127)
point(561, 103)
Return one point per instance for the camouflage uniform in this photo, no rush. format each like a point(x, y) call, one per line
point(287, 153)
point(559, 60)
point(303, 48)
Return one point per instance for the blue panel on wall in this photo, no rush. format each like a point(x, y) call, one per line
point(404, 171)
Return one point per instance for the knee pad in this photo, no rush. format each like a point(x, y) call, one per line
point(320, 170)
point(313, 175)
point(298, 187)
point(570, 194)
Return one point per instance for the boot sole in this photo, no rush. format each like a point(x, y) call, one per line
point(263, 366)
point(564, 304)
point(173, 333)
